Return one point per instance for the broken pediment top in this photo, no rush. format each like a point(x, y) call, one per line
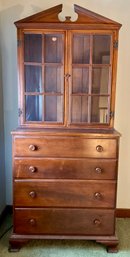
point(51, 15)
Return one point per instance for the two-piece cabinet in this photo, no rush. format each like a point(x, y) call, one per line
point(65, 150)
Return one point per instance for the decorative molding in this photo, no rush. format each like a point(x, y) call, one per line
point(85, 17)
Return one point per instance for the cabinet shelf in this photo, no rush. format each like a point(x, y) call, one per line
point(85, 94)
point(82, 65)
point(43, 64)
point(44, 93)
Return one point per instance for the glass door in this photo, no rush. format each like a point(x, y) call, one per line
point(90, 88)
point(44, 77)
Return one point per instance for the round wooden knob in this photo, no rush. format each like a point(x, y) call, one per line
point(98, 195)
point(97, 222)
point(32, 222)
point(32, 148)
point(98, 170)
point(32, 194)
point(32, 169)
point(99, 148)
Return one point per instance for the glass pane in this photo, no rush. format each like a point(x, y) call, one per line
point(80, 81)
point(54, 79)
point(53, 48)
point(33, 48)
point(33, 78)
point(100, 80)
point(99, 109)
point(33, 108)
point(54, 108)
point(101, 49)
point(81, 49)
point(79, 109)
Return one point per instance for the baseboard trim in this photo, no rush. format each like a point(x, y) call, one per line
point(7, 209)
point(122, 213)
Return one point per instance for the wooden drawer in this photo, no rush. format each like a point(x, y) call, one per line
point(64, 221)
point(64, 193)
point(65, 168)
point(53, 146)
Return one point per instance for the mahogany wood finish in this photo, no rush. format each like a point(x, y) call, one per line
point(65, 147)
point(64, 184)
point(64, 193)
point(65, 151)
point(57, 221)
point(65, 168)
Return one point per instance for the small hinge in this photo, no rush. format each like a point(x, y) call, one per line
point(115, 44)
point(19, 42)
point(20, 112)
point(112, 115)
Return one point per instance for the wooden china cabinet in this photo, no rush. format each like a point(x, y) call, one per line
point(65, 150)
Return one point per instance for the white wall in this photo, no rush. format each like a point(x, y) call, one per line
point(2, 170)
point(9, 82)
point(118, 10)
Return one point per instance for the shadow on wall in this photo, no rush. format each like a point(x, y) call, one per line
point(2, 169)
point(8, 66)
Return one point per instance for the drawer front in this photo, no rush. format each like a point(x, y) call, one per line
point(64, 221)
point(65, 147)
point(64, 193)
point(65, 168)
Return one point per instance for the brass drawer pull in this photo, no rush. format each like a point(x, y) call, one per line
point(32, 222)
point(98, 170)
point(32, 148)
point(32, 169)
point(97, 222)
point(98, 195)
point(32, 194)
point(99, 148)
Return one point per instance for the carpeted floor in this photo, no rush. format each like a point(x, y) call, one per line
point(66, 248)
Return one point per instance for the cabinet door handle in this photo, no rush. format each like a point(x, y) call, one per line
point(32, 169)
point(99, 148)
point(32, 194)
point(32, 147)
point(67, 76)
point(98, 195)
point(98, 170)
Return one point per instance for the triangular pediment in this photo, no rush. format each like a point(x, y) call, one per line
point(51, 16)
point(91, 17)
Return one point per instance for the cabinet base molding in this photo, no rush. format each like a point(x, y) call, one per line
point(17, 241)
point(110, 242)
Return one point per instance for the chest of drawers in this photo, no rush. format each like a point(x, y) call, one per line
point(64, 186)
